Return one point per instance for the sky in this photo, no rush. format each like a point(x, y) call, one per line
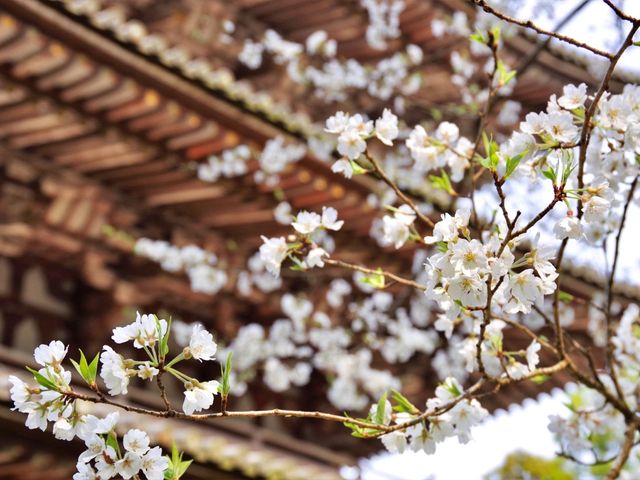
point(595, 24)
point(521, 427)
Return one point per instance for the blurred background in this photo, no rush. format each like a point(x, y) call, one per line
point(123, 120)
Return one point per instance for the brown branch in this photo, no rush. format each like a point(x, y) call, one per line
point(161, 387)
point(628, 444)
point(530, 333)
point(587, 127)
point(531, 26)
point(385, 178)
point(392, 276)
point(619, 13)
point(610, 324)
point(585, 137)
point(524, 65)
point(101, 398)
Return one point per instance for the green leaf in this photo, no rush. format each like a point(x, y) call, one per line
point(112, 441)
point(539, 379)
point(357, 169)
point(164, 341)
point(403, 404)
point(505, 76)
point(176, 456)
point(78, 368)
point(491, 151)
point(182, 468)
point(550, 174)
point(478, 37)
point(509, 76)
point(487, 144)
point(376, 280)
point(225, 386)
point(495, 32)
point(442, 182)
point(93, 367)
point(42, 380)
point(379, 416)
point(358, 431)
point(87, 371)
point(565, 296)
point(567, 169)
point(512, 164)
point(177, 466)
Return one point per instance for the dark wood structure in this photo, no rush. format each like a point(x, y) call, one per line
point(101, 129)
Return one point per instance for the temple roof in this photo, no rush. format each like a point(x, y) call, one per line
point(101, 133)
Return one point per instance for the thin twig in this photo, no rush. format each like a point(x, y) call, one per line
point(612, 273)
point(385, 178)
point(587, 127)
point(392, 276)
point(531, 26)
point(619, 13)
point(629, 439)
point(524, 65)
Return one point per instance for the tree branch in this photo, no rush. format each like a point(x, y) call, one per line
point(531, 26)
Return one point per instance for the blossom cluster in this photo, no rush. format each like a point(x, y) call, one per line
point(593, 431)
point(353, 132)
point(53, 401)
point(151, 334)
point(331, 77)
point(230, 163)
point(308, 225)
point(456, 421)
point(305, 340)
point(198, 264)
point(384, 21)
point(235, 162)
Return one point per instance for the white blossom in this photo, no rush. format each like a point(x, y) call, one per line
point(386, 127)
point(568, 227)
point(199, 397)
point(201, 345)
point(273, 252)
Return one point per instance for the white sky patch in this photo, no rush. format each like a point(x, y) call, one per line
point(595, 24)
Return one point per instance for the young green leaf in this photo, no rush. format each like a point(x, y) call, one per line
point(42, 380)
point(225, 386)
point(112, 441)
point(79, 369)
point(539, 379)
point(550, 174)
point(379, 416)
point(565, 296)
point(403, 404)
point(495, 33)
point(442, 182)
point(376, 280)
point(357, 169)
point(93, 367)
point(512, 164)
point(177, 466)
point(164, 341)
point(478, 37)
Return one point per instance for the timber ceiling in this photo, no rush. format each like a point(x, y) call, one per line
point(96, 136)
